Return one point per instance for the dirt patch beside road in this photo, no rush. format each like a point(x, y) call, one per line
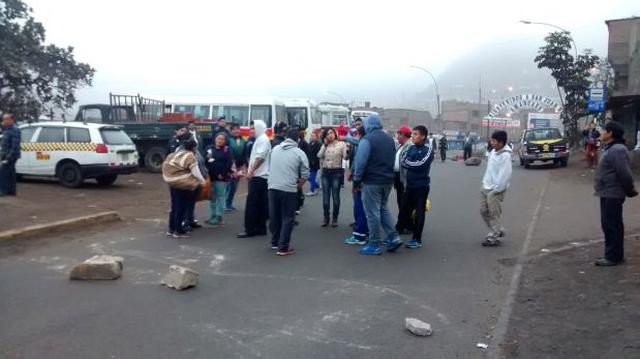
point(568, 308)
point(142, 196)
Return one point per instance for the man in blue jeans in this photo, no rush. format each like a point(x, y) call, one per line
point(373, 175)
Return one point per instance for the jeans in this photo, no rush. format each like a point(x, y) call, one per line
point(374, 199)
point(257, 207)
point(313, 180)
point(415, 199)
point(332, 181)
point(231, 192)
point(180, 199)
point(467, 152)
point(443, 155)
point(218, 198)
point(282, 210)
point(613, 228)
point(491, 209)
point(360, 228)
point(8, 178)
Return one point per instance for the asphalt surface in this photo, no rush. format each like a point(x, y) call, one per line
point(326, 301)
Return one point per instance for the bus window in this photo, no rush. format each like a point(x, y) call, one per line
point(202, 111)
point(216, 111)
point(184, 109)
point(237, 114)
point(297, 116)
point(261, 112)
point(281, 114)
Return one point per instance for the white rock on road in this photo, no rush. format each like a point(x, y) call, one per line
point(180, 278)
point(101, 267)
point(418, 327)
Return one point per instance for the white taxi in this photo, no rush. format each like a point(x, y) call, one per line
point(75, 151)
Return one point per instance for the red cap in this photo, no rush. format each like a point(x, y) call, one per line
point(405, 131)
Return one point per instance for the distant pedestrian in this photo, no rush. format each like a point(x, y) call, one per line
point(373, 175)
point(433, 142)
point(332, 153)
point(417, 162)
point(592, 138)
point(314, 163)
point(9, 155)
point(404, 141)
point(180, 133)
point(360, 231)
point(289, 169)
point(444, 146)
point(180, 171)
point(238, 148)
point(191, 126)
point(494, 186)
point(613, 182)
point(467, 146)
point(220, 126)
point(257, 205)
point(219, 164)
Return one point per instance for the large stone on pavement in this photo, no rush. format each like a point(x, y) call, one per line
point(418, 327)
point(473, 161)
point(100, 267)
point(180, 278)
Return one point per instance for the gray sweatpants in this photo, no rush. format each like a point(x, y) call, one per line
point(491, 209)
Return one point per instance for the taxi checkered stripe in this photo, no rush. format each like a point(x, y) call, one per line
point(58, 146)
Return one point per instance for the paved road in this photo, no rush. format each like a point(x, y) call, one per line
point(326, 301)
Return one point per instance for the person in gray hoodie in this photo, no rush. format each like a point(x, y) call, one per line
point(613, 183)
point(288, 171)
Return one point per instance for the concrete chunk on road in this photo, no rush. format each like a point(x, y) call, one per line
point(100, 267)
point(180, 278)
point(418, 327)
point(473, 161)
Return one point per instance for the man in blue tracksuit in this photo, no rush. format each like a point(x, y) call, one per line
point(9, 155)
point(417, 163)
point(373, 175)
point(360, 228)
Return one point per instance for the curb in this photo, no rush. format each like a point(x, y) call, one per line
point(78, 222)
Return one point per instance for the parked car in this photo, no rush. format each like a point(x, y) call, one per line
point(545, 145)
point(75, 151)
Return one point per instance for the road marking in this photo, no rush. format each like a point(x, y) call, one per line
point(500, 329)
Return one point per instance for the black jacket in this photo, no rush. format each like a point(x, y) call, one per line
point(10, 145)
point(219, 162)
point(613, 177)
point(444, 145)
point(312, 155)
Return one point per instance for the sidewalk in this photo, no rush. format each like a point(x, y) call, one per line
point(565, 306)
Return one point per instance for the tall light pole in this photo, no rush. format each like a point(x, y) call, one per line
point(434, 82)
point(575, 47)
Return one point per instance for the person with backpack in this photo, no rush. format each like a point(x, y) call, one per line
point(613, 183)
point(219, 164)
point(180, 171)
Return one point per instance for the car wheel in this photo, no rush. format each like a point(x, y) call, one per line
point(153, 159)
point(70, 175)
point(106, 179)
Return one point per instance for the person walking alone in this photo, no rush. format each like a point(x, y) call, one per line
point(467, 147)
point(444, 146)
point(257, 206)
point(331, 155)
point(373, 175)
point(613, 183)
point(289, 169)
point(592, 136)
point(494, 187)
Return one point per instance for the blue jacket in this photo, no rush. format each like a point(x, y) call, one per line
point(417, 162)
point(10, 145)
point(376, 154)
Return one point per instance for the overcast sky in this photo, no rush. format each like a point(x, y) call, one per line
point(296, 48)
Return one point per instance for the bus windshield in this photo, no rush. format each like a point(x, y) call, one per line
point(297, 116)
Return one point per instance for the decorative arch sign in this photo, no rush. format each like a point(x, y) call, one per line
point(525, 101)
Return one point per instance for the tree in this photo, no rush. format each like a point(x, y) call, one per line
point(35, 77)
point(571, 75)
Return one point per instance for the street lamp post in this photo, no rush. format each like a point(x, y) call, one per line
point(435, 83)
point(575, 47)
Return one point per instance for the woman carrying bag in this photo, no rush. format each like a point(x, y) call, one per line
point(331, 155)
point(220, 165)
point(180, 171)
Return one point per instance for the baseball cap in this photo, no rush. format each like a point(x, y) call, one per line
point(405, 131)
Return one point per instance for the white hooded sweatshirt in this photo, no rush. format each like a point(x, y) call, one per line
point(498, 173)
point(261, 149)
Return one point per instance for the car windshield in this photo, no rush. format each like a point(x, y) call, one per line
point(543, 134)
point(114, 136)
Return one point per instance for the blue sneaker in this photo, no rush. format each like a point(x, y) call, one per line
point(354, 240)
point(370, 250)
point(394, 244)
point(413, 244)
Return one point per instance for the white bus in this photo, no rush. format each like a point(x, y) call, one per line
point(334, 115)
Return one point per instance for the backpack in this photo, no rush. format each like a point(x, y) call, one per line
point(176, 170)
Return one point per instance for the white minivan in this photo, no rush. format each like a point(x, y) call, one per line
point(75, 151)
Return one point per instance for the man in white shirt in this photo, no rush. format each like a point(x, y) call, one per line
point(494, 186)
point(257, 205)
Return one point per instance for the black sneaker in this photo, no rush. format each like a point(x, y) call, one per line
point(491, 242)
point(604, 262)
